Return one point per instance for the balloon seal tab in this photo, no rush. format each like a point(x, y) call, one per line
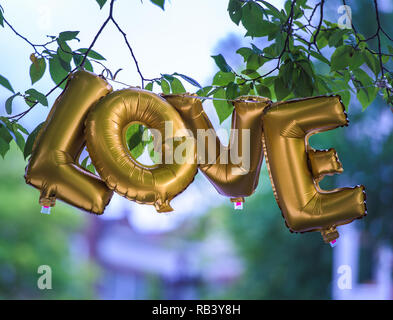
point(333, 243)
point(238, 203)
point(330, 236)
point(45, 210)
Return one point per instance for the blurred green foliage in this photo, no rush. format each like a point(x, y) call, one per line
point(278, 264)
point(29, 239)
point(281, 265)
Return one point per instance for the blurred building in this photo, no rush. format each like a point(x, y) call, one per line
point(137, 264)
point(346, 263)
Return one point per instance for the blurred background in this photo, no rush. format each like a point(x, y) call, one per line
point(204, 249)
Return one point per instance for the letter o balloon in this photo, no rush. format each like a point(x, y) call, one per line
point(106, 126)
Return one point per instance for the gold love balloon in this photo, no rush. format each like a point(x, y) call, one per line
point(88, 113)
point(233, 170)
point(295, 169)
point(53, 167)
point(105, 133)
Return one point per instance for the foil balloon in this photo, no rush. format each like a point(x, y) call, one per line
point(233, 170)
point(106, 126)
point(295, 169)
point(53, 167)
point(323, 162)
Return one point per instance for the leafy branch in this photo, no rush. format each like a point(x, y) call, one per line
point(59, 59)
point(299, 46)
point(304, 55)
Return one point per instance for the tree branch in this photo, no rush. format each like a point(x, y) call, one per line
point(110, 17)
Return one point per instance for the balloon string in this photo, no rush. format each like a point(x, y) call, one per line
point(237, 100)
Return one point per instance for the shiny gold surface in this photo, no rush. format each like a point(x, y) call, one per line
point(305, 207)
point(105, 134)
point(324, 162)
point(53, 166)
point(87, 113)
point(230, 179)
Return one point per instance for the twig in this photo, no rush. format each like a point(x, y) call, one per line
point(110, 17)
point(98, 33)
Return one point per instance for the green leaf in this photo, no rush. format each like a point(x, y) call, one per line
point(40, 97)
point(221, 63)
point(319, 57)
point(5, 139)
point(255, 62)
point(92, 54)
point(1, 19)
point(91, 168)
point(252, 20)
point(245, 53)
point(365, 98)
point(223, 78)
point(336, 38)
point(68, 35)
point(234, 10)
point(30, 140)
point(20, 141)
point(4, 132)
point(101, 3)
point(346, 98)
point(252, 15)
point(160, 3)
point(37, 70)
point(64, 51)
point(223, 108)
point(281, 89)
point(263, 91)
point(134, 140)
point(385, 59)
point(322, 86)
point(154, 156)
point(4, 147)
point(272, 50)
point(249, 72)
point(341, 58)
point(165, 87)
point(20, 127)
point(204, 91)
point(84, 162)
point(134, 135)
point(357, 60)
point(306, 66)
point(149, 86)
point(8, 103)
point(286, 72)
point(233, 91)
point(372, 62)
point(57, 72)
point(177, 86)
point(88, 66)
point(6, 84)
point(287, 6)
point(168, 77)
point(245, 89)
point(274, 11)
point(363, 77)
point(322, 41)
point(189, 80)
point(77, 59)
point(64, 54)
